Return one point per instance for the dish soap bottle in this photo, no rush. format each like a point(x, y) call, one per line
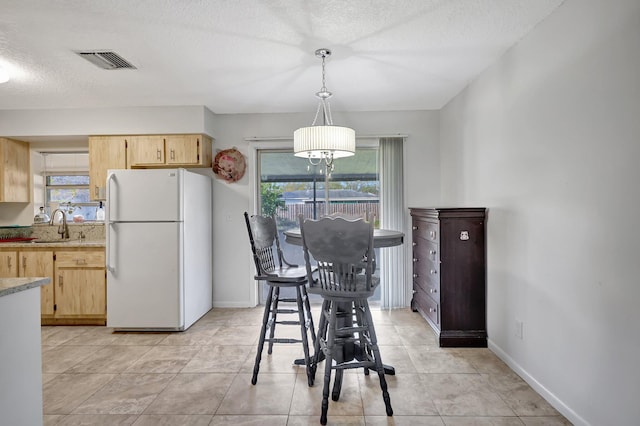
point(100, 213)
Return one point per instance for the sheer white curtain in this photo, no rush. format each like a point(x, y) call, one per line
point(395, 285)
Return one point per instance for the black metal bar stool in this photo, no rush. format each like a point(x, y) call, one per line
point(278, 274)
point(343, 250)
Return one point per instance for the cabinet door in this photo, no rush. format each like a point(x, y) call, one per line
point(145, 151)
point(80, 292)
point(39, 264)
point(105, 152)
point(80, 287)
point(15, 171)
point(8, 264)
point(183, 149)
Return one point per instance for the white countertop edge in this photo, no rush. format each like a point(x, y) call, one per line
point(14, 285)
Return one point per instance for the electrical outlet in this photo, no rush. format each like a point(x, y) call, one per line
point(519, 329)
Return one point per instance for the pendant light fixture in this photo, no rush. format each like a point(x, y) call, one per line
point(324, 142)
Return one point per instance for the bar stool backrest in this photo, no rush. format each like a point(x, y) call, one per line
point(343, 250)
point(263, 235)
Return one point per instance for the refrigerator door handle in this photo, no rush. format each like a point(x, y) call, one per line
point(109, 244)
point(110, 198)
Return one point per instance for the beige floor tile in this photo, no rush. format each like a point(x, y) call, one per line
point(95, 376)
point(388, 335)
point(307, 401)
point(141, 338)
point(236, 335)
point(518, 395)
point(465, 395)
point(218, 359)
point(65, 392)
point(57, 335)
point(409, 395)
point(545, 421)
point(482, 421)
point(259, 420)
point(191, 337)
point(272, 395)
point(172, 420)
point(398, 358)
point(51, 419)
point(417, 335)
point(98, 420)
point(125, 394)
point(483, 360)
point(435, 360)
point(110, 359)
point(397, 420)
point(332, 420)
point(58, 359)
point(164, 359)
point(98, 336)
point(192, 394)
point(281, 359)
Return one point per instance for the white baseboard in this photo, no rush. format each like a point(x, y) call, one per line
point(555, 402)
point(232, 305)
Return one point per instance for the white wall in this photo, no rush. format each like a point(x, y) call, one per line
point(234, 267)
point(549, 140)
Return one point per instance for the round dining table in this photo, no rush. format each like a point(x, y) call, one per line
point(381, 238)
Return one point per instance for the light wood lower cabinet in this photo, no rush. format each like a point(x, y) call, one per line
point(27, 263)
point(78, 290)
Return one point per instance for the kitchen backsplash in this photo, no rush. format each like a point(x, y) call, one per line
point(91, 231)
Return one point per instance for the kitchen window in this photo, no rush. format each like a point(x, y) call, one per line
point(65, 182)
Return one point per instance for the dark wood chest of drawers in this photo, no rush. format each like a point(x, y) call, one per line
point(449, 273)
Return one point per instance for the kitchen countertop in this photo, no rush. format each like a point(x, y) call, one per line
point(14, 285)
point(54, 243)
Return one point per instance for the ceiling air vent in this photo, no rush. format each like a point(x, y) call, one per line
point(106, 60)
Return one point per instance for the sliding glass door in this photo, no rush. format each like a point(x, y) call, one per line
point(290, 186)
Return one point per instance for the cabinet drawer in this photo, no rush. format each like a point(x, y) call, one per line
point(426, 267)
point(428, 306)
point(80, 258)
point(427, 230)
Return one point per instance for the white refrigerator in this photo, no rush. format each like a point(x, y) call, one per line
point(159, 249)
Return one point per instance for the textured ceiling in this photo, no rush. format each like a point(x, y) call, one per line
point(246, 56)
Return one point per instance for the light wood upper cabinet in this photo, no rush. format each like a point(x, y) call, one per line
point(151, 151)
point(15, 171)
point(105, 152)
point(145, 151)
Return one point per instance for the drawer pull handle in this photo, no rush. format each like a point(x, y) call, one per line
point(415, 259)
point(415, 228)
point(433, 252)
point(415, 275)
point(432, 310)
point(433, 272)
point(414, 244)
point(158, 154)
point(81, 261)
point(432, 234)
point(60, 281)
point(433, 290)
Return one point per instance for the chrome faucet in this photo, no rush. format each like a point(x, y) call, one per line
point(63, 229)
